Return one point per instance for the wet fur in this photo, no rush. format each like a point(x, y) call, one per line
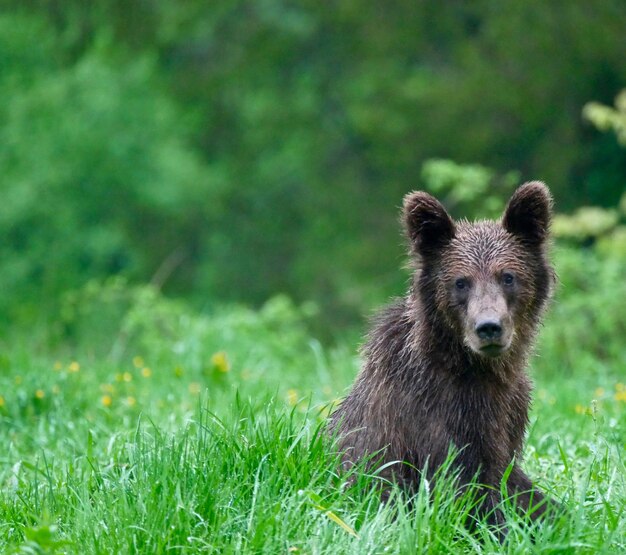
point(422, 389)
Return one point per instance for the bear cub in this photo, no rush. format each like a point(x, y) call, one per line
point(445, 366)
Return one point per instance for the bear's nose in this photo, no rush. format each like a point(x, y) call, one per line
point(489, 330)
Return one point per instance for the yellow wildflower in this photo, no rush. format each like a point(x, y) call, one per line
point(106, 400)
point(620, 396)
point(138, 362)
point(220, 361)
point(119, 377)
point(292, 396)
point(40, 394)
point(127, 376)
point(599, 392)
point(74, 367)
point(131, 401)
point(146, 372)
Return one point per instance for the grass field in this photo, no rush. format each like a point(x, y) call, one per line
point(151, 429)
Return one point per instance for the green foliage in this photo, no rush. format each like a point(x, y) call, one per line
point(589, 223)
point(93, 163)
point(468, 190)
point(233, 150)
point(586, 223)
point(226, 348)
point(587, 316)
point(593, 225)
point(606, 118)
point(613, 244)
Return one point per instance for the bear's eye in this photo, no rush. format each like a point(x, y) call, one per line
point(508, 279)
point(461, 284)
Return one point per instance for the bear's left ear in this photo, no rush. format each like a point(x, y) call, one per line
point(528, 213)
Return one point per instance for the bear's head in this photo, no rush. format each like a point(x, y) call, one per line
point(486, 281)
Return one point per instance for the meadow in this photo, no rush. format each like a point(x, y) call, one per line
point(140, 426)
point(254, 154)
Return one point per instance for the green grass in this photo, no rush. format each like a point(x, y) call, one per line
point(186, 433)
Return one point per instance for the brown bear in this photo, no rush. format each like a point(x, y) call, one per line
point(445, 366)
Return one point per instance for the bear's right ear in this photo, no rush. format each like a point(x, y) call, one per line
point(427, 224)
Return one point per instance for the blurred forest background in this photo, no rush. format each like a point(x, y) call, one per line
point(232, 150)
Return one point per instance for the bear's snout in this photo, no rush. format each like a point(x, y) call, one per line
point(488, 325)
point(489, 330)
point(491, 336)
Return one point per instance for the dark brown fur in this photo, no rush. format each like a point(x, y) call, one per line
point(428, 380)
